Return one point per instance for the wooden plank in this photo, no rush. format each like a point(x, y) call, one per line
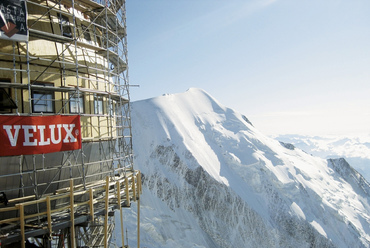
point(127, 192)
point(120, 212)
point(91, 193)
point(133, 187)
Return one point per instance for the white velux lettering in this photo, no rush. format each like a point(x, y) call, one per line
point(43, 142)
point(28, 135)
point(52, 127)
point(12, 138)
point(32, 131)
point(69, 133)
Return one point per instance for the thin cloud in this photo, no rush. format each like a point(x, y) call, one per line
point(247, 9)
point(289, 114)
point(220, 18)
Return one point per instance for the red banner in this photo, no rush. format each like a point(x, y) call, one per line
point(39, 134)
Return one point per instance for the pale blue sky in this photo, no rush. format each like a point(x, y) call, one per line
point(290, 66)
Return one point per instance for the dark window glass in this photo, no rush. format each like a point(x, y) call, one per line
point(65, 27)
point(43, 100)
point(86, 33)
point(6, 102)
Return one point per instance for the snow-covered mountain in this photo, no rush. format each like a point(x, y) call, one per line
point(210, 179)
point(356, 150)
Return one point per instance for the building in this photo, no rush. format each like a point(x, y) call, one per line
point(64, 121)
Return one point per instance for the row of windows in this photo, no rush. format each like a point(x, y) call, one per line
point(43, 102)
point(76, 104)
point(66, 30)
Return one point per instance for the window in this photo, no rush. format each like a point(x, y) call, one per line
point(111, 107)
point(76, 103)
point(86, 33)
point(96, 35)
point(98, 105)
point(65, 27)
point(42, 100)
point(6, 102)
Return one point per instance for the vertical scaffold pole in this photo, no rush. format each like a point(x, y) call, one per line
point(71, 197)
point(28, 79)
point(138, 222)
point(21, 217)
point(106, 213)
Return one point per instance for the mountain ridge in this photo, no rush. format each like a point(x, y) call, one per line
point(211, 179)
point(356, 150)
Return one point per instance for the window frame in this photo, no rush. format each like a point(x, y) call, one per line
point(99, 109)
point(7, 104)
point(78, 101)
point(86, 33)
point(65, 26)
point(49, 102)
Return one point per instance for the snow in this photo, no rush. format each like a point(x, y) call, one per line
point(356, 150)
point(211, 179)
point(318, 227)
point(297, 210)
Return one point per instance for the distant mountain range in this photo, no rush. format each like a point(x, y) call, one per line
point(356, 150)
point(210, 179)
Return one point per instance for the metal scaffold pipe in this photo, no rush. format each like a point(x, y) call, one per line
point(66, 157)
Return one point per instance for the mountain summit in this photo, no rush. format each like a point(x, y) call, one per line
point(211, 179)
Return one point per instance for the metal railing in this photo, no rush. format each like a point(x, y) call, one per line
point(69, 207)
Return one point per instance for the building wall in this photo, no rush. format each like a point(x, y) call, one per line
point(62, 67)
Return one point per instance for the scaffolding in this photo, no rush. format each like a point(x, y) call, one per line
point(90, 225)
point(73, 63)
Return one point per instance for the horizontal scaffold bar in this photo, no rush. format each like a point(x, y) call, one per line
point(59, 206)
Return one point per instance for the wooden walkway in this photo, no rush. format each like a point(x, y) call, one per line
point(68, 208)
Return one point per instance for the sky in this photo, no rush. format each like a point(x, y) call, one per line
point(291, 67)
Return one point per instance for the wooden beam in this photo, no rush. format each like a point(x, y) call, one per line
point(120, 212)
point(91, 203)
point(127, 192)
point(48, 211)
point(133, 187)
point(139, 188)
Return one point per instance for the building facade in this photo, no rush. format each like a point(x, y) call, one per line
point(64, 107)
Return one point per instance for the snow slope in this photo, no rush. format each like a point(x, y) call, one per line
point(356, 150)
point(212, 180)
